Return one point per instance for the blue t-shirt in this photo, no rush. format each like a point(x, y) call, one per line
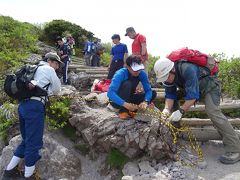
point(118, 51)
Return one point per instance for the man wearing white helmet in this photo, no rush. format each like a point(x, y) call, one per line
point(31, 117)
point(196, 83)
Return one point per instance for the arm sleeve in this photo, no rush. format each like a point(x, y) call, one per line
point(142, 39)
point(125, 49)
point(117, 80)
point(146, 86)
point(55, 83)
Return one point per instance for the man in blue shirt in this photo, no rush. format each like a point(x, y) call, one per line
point(119, 53)
point(87, 52)
point(197, 83)
point(123, 87)
point(64, 52)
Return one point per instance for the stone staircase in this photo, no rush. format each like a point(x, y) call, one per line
point(78, 65)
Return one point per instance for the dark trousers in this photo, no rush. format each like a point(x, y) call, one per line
point(95, 60)
point(31, 117)
point(115, 65)
point(127, 93)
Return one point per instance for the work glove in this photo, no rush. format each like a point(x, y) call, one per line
point(175, 116)
point(165, 113)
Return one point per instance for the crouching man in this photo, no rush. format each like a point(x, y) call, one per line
point(122, 90)
point(196, 82)
point(31, 116)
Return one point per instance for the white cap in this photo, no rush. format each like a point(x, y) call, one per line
point(137, 67)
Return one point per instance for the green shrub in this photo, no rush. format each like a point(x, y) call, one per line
point(57, 28)
point(229, 74)
point(116, 159)
point(8, 117)
point(57, 112)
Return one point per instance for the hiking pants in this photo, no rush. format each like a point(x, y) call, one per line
point(95, 60)
point(65, 72)
point(230, 138)
point(115, 66)
point(127, 93)
point(31, 117)
point(87, 59)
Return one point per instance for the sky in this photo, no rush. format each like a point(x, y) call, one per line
point(210, 26)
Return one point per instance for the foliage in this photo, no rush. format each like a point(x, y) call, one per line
point(17, 41)
point(69, 132)
point(8, 117)
point(229, 75)
point(61, 28)
point(116, 159)
point(57, 112)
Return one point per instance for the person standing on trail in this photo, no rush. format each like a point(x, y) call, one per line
point(31, 117)
point(71, 43)
point(64, 52)
point(196, 82)
point(119, 53)
point(139, 46)
point(122, 90)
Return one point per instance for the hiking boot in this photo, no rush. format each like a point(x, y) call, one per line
point(230, 158)
point(34, 176)
point(124, 115)
point(14, 173)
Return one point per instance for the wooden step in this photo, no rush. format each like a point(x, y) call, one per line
point(205, 122)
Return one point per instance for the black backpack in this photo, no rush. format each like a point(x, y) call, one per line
point(18, 85)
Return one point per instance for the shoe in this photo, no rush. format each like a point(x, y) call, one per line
point(229, 158)
point(14, 173)
point(34, 176)
point(124, 115)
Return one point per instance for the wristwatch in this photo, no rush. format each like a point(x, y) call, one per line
point(181, 111)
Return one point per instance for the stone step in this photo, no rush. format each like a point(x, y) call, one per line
point(85, 67)
point(88, 71)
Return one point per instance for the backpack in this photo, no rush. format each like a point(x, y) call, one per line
point(18, 85)
point(195, 57)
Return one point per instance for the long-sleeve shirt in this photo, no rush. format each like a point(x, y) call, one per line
point(121, 76)
point(45, 75)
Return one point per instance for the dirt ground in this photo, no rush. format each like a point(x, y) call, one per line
point(216, 170)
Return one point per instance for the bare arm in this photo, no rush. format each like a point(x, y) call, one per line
point(144, 49)
point(187, 104)
point(125, 57)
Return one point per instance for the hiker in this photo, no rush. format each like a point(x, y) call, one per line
point(71, 43)
point(64, 52)
point(139, 46)
point(196, 83)
point(119, 53)
point(31, 116)
point(87, 50)
point(97, 51)
point(122, 90)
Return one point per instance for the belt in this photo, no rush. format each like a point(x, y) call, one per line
point(38, 99)
point(117, 60)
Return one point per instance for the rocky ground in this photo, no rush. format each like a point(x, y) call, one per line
point(146, 141)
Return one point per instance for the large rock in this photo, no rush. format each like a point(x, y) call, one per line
point(57, 161)
point(102, 128)
point(80, 81)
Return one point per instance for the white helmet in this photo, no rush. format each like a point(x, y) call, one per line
point(162, 67)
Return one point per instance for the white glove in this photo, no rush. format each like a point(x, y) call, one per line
point(165, 113)
point(176, 116)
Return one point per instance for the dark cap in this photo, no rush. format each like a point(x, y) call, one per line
point(129, 29)
point(116, 36)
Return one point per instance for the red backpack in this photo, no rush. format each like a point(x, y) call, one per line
point(195, 57)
